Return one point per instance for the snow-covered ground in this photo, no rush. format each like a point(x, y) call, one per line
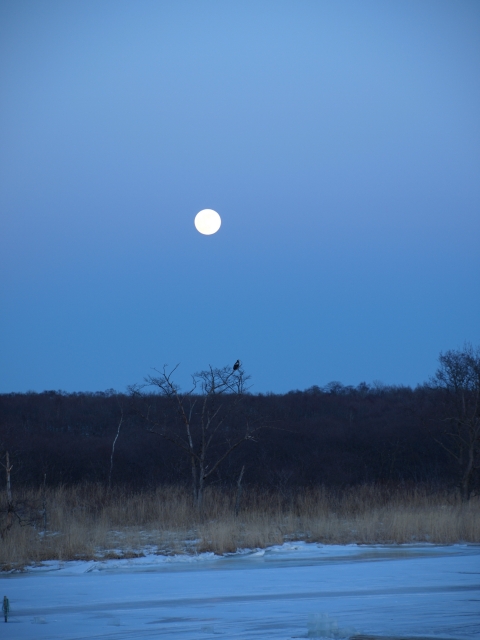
point(296, 590)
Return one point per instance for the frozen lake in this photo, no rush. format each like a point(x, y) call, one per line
point(296, 590)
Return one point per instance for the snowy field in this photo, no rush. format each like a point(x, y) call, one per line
point(296, 590)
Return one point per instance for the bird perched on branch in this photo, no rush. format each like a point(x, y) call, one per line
point(236, 365)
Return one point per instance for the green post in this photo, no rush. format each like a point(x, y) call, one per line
point(6, 607)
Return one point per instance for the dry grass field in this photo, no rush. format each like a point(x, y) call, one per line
point(88, 522)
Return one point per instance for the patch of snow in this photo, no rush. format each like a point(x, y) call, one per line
point(293, 590)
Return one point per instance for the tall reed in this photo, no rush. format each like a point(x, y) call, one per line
point(86, 521)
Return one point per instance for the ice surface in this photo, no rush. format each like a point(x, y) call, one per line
point(296, 590)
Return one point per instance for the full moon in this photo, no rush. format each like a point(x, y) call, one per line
point(207, 222)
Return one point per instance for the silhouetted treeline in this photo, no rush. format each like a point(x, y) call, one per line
point(334, 435)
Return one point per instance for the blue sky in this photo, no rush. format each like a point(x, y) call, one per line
point(339, 141)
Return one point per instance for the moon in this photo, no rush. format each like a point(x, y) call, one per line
point(207, 221)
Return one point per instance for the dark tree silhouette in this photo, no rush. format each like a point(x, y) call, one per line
point(458, 379)
point(205, 422)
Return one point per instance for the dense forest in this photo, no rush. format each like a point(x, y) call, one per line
point(334, 435)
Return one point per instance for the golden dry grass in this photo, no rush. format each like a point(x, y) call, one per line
point(86, 522)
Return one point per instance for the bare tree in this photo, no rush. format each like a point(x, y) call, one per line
point(10, 509)
point(113, 446)
point(205, 422)
point(458, 377)
point(16, 510)
point(239, 491)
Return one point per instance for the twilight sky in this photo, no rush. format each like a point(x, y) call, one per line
point(338, 140)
